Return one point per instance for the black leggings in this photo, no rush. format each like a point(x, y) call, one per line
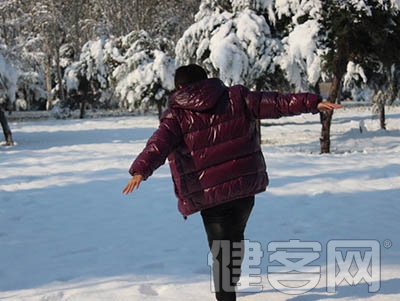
point(225, 225)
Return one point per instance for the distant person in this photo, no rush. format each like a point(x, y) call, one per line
point(210, 138)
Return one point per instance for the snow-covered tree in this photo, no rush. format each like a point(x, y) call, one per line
point(384, 70)
point(134, 66)
point(145, 77)
point(48, 21)
point(8, 87)
point(378, 84)
point(159, 18)
point(30, 88)
point(361, 32)
point(355, 83)
point(97, 59)
point(299, 25)
point(85, 22)
point(37, 33)
point(90, 76)
point(233, 41)
point(167, 19)
point(23, 49)
point(15, 21)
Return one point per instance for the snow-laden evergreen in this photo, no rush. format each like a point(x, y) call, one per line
point(233, 40)
point(302, 55)
point(134, 68)
point(95, 63)
point(355, 72)
point(301, 59)
point(89, 80)
point(235, 46)
point(365, 6)
point(26, 30)
point(355, 83)
point(306, 41)
point(31, 91)
point(146, 74)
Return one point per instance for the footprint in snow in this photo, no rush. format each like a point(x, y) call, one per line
point(147, 290)
point(53, 297)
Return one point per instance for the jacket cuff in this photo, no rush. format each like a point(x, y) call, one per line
point(133, 171)
point(314, 100)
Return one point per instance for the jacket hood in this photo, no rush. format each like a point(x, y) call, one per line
point(199, 96)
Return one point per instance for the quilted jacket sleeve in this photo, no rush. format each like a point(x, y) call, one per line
point(275, 105)
point(158, 147)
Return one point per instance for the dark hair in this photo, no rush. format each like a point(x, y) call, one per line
point(185, 75)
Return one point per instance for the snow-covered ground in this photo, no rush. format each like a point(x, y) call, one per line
point(67, 232)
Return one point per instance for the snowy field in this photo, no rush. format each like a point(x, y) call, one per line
point(67, 232)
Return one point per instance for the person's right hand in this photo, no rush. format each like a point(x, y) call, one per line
point(133, 183)
point(328, 106)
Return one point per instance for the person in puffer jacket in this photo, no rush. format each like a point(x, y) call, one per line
point(209, 135)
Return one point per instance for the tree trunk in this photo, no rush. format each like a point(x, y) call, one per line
point(76, 38)
point(326, 117)
point(121, 19)
point(138, 22)
point(59, 77)
point(382, 117)
point(48, 83)
point(340, 65)
point(82, 105)
point(325, 140)
point(6, 128)
point(4, 27)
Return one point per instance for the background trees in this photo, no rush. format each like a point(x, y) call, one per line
point(119, 53)
point(8, 86)
point(145, 75)
point(88, 78)
point(352, 36)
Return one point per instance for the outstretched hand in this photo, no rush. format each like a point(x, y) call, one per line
point(133, 183)
point(328, 106)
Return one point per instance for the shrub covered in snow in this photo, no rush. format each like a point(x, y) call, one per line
point(87, 79)
point(131, 71)
point(146, 75)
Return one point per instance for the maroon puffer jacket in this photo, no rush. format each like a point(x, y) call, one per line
point(209, 135)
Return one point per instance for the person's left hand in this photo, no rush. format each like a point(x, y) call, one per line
point(328, 106)
point(133, 183)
